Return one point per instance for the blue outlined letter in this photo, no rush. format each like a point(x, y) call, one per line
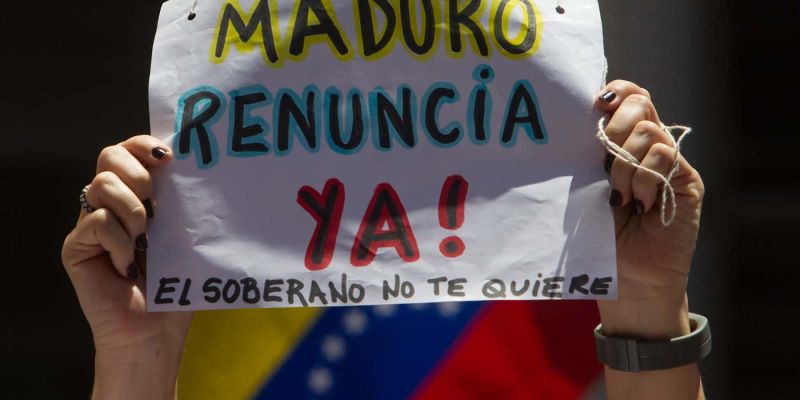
point(438, 93)
point(355, 121)
point(530, 119)
point(480, 105)
point(388, 121)
point(198, 109)
point(296, 116)
point(246, 132)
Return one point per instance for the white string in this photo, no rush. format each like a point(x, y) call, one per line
point(667, 192)
point(191, 11)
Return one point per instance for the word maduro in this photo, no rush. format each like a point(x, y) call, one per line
point(376, 118)
point(514, 28)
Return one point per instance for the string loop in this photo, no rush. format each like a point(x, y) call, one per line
point(668, 203)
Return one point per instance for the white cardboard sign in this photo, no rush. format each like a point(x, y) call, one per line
point(342, 152)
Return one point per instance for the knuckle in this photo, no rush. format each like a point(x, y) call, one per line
point(639, 100)
point(108, 154)
point(662, 153)
point(140, 178)
point(614, 132)
point(100, 216)
point(645, 92)
point(619, 83)
point(67, 251)
point(700, 189)
point(139, 214)
point(647, 127)
point(104, 179)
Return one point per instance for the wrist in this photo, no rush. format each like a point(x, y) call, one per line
point(653, 319)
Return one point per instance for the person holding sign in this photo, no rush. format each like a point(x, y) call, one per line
point(138, 353)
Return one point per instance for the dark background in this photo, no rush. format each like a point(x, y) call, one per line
point(75, 80)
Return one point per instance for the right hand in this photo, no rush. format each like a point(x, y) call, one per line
point(104, 257)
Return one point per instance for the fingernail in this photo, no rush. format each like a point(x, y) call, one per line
point(148, 207)
point(609, 162)
point(638, 207)
point(133, 272)
point(608, 96)
point(158, 153)
point(141, 242)
point(616, 199)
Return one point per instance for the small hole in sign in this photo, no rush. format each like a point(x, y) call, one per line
point(560, 10)
point(192, 15)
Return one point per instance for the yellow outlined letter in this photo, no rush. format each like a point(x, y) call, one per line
point(529, 36)
point(259, 28)
point(467, 16)
point(316, 20)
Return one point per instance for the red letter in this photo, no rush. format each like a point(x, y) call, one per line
point(385, 208)
point(327, 211)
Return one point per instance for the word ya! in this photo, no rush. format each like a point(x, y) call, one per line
point(377, 118)
point(379, 24)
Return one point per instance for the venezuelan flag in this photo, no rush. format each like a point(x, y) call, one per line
point(465, 350)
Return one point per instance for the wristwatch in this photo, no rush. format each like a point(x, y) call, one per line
point(632, 354)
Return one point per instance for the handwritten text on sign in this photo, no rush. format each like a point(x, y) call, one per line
point(321, 160)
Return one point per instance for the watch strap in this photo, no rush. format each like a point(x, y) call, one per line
point(632, 354)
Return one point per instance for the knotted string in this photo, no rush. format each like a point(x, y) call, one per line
point(667, 192)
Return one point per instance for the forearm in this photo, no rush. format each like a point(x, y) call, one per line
point(669, 384)
point(652, 320)
point(149, 373)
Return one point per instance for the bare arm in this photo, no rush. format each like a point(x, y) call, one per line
point(653, 261)
point(137, 353)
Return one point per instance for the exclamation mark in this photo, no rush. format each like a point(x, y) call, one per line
point(451, 213)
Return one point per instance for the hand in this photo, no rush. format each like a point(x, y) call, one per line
point(653, 261)
point(137, 353)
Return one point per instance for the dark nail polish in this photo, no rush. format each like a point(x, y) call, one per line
point(141, 242)
point(158, 153)
point(133, 272)
point(616, 199)
point(609, 162)
point(608, 96)
point(638, 207)
point(148, 207)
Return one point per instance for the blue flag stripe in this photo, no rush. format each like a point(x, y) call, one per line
point(370, 352)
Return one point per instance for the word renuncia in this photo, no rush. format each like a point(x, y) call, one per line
point(377, 117)
point(512, 27)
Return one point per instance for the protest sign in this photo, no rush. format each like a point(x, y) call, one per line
point(353, 152)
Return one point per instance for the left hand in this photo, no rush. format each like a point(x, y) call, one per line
point(652, 260)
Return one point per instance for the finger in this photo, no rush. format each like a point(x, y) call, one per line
point(634, 108)
point(643, 136)
point(108, 191)
point(612, 96)
point(645, 185)
point(150, 151)
point(98, 233)
point(119, 161)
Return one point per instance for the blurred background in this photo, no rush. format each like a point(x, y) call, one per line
point(75, 80)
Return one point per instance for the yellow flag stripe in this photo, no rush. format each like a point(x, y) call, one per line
point(231, 354)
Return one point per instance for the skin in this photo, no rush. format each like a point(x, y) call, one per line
point(653, 261)
point(138, 353)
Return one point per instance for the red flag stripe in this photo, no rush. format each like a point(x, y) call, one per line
point(520, 350)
